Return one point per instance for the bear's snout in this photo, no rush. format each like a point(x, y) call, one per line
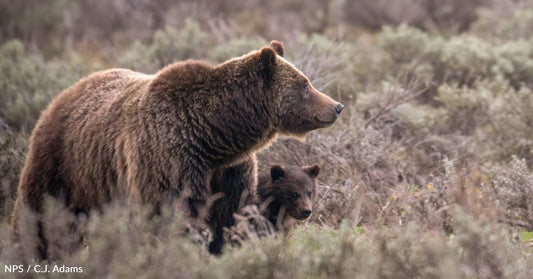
point(330, 115)
point(339, 108)
point(300, 214)
point(328, 110)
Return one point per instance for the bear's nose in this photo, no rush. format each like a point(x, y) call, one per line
point(339, 108)
point(306, 213)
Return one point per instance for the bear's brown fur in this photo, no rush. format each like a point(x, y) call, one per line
point(287, 194)
point(150, 138)
point(238, 183)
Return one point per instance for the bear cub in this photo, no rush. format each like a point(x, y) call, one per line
point(286, 194)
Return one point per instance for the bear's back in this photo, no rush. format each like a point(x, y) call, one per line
point(97, 99)
point(102, 87)
point(89, 116)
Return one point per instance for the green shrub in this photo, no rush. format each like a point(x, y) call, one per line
point(13, 147)
point(25, 85)
point(460, 60)
point(516, 62)
point(167, 46)
point(452, 16)
point(39, 25)
point(327, 63)
point(505, 21)
point(465, 108)
point(511, 120)
point(28, 83)
point(122, 242)
point(236, 47)
point(486, 250)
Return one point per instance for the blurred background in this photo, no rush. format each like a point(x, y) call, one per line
point(439, 115)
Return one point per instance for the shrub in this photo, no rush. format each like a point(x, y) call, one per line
point(505, 20)
point(510, 111)
point(482, 113)
point(487, 250)
point(460, 60)
point(27, 88)
point(123, 243)
point(513, 186)
point(28, 84)
point(35, 26)
point(13, 148)
point(452, 16)
point(516, 62)
point(466, 109)
point(327, 63)
point(167, 46)
point(236, 47)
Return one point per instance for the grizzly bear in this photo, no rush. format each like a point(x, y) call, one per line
point(287, 194)
point(156, 138)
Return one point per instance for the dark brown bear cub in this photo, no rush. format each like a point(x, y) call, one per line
point(284, 195)
point(287, 193)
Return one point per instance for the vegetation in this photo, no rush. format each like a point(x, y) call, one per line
point(428, 173)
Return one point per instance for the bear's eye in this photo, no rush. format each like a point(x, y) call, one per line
point(309, 194)
point(306, 92)
point(294, 195)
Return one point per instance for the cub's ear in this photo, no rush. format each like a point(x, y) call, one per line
point(312, 171)
point(276, 172)
point(267, 61)
point(277, 46)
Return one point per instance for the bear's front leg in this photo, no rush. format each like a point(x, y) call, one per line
point(185, 183)
point(195, 192)
point(238, 184)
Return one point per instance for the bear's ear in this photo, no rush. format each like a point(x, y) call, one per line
point(267, 62)
point(312, 171)
point(277, 46)
point(276, 172)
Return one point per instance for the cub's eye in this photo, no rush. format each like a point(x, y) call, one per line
point(294, 195)
point(309, 194)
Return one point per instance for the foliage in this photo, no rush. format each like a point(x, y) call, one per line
point(123, 243)
point(28, 83)
point(461, 60)
point(323, 61)
point(513, 186)
point(167, 46)
point(236, 47)
point(451, 16)
point(505, 20)
point(33, 25)
point(13, 147)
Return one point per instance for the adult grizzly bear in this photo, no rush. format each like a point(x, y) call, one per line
point(120, 133)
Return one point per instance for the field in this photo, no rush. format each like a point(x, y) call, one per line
point(428, 173)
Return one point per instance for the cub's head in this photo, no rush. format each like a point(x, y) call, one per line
point(298, 106)
point(294, 188)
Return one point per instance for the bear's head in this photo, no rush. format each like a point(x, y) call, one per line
point(299, 106)
point(292, 187)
